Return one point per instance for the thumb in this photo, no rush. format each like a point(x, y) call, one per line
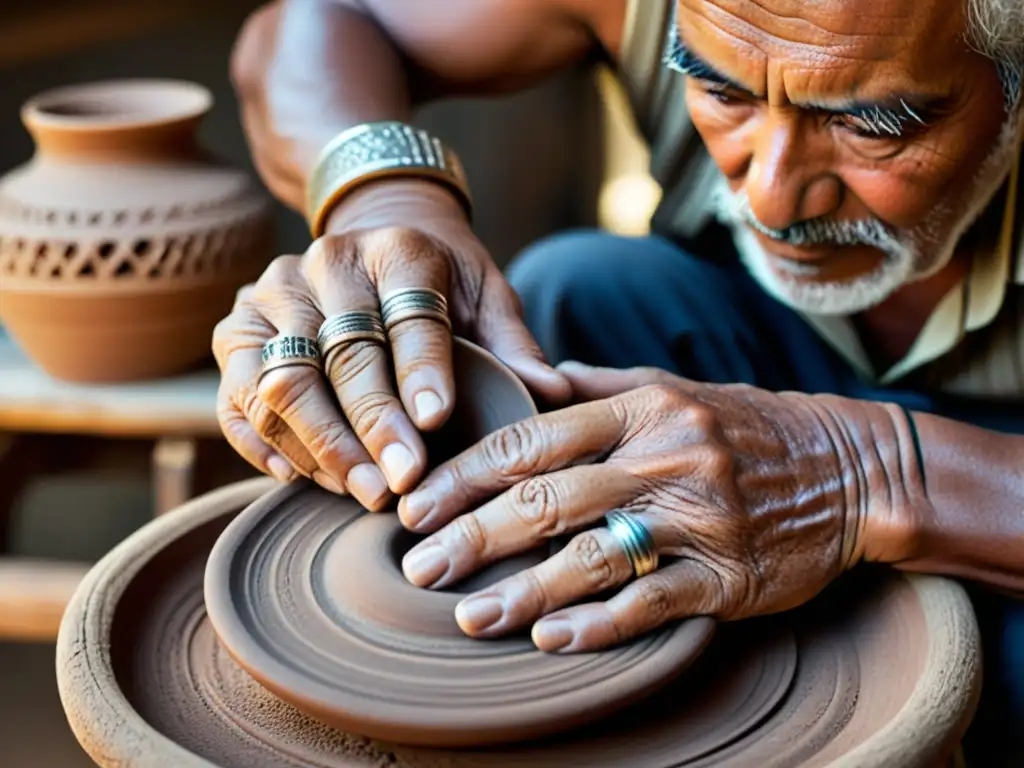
point(501, 330)
point(590, 383)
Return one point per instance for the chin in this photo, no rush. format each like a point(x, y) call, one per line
point(813, 293)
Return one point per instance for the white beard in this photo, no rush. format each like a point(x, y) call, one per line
point(910, 256)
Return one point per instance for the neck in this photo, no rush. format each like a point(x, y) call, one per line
point(888, 330)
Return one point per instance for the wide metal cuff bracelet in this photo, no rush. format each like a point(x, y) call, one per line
point(371, 151)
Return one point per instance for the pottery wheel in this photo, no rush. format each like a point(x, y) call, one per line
point(305, 590)
point(875, 672)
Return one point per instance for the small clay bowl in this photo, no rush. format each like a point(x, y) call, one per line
point(305, 590)
point(877, 672)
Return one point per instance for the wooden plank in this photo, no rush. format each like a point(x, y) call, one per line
point(174, 473)
point(32, 401)
point(34, 595)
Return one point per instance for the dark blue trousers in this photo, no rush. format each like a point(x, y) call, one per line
point(623, 302)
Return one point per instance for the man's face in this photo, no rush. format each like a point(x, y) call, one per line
point(859, 138)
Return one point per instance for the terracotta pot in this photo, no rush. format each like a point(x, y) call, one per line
point(122, 243)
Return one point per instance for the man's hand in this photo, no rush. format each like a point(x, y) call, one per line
point(354, 431)
point(758, 500)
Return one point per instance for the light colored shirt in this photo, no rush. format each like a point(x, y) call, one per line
point(971, 345)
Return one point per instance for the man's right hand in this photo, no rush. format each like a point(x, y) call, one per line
point(349, 429)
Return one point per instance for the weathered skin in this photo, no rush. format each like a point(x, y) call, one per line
point(767, 497)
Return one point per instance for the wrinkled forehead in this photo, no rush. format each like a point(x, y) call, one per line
point(919, 39)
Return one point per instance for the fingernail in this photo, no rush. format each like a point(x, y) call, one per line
point(324, 480)
point(367, 484)
point(475, 614)
point(428, 406)
point(398, 462)
point(425, 566)
point(553, 635)
point(280, 468)
point(416, 506)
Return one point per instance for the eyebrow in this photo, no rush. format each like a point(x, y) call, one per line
point(887, 117)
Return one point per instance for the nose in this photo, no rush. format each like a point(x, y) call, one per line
point(789, 179)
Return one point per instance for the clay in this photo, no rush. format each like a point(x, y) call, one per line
point(122, 242)
point(880, 670)
point(305, 590)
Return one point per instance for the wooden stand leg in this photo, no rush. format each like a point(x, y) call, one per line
point(174, 473)
point(19, 460)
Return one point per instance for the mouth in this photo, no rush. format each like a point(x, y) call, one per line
point(819, 263)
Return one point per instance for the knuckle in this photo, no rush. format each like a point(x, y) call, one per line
point(349, 361)
point(656, 598)
point(588, 552)
point(536, 504)
point(662, 396)
point(280, 270)
point(537, 592)
point(324, 254)
point(328, 440)
point(467, 534)
point(514, 451)
point(701, 418)
point(266, 423)
point(367, 410)
point(286, 390)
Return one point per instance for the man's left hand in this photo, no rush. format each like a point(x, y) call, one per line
point(755, 501)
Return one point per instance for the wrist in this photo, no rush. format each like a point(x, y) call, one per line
point(403, 202)
point(887, 506)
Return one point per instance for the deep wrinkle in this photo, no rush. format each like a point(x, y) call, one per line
point(881, 118)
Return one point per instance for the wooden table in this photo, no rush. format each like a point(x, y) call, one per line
point(175, 413)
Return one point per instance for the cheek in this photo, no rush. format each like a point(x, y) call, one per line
point(940, 167)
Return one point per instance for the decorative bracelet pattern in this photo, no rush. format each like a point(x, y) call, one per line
point(372, 150)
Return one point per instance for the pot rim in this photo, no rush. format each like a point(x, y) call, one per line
point(145, 103)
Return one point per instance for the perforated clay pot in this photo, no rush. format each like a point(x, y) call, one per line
point(122, 242)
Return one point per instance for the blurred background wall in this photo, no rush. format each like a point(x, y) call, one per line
point(562, 155)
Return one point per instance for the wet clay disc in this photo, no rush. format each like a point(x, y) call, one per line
point(305, 590)
point(877, 672)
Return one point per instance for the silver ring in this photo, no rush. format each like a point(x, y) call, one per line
point(338, 331)
point(284, 351)
point(636, 541)
point(411, 303)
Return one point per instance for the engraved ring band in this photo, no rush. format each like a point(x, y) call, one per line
point(412, 303)
point(339, 331)
point(284, 351)
point(635, 540)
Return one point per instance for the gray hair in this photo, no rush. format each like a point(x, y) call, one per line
point(996, 29)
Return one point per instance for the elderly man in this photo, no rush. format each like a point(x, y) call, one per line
point(829, 316)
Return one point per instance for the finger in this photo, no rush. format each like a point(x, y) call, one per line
point(684, 588)
point(541, 444)
point(501, 329)
point(238, 341)
point(303, 399)
point(530, 513)
point(360, 372)
point(243, 367)
point(421, 347)
point(591, 383)
point(241, 436)
point(592, 562)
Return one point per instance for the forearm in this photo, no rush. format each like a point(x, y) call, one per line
point(304, 70)
point(975, 486)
